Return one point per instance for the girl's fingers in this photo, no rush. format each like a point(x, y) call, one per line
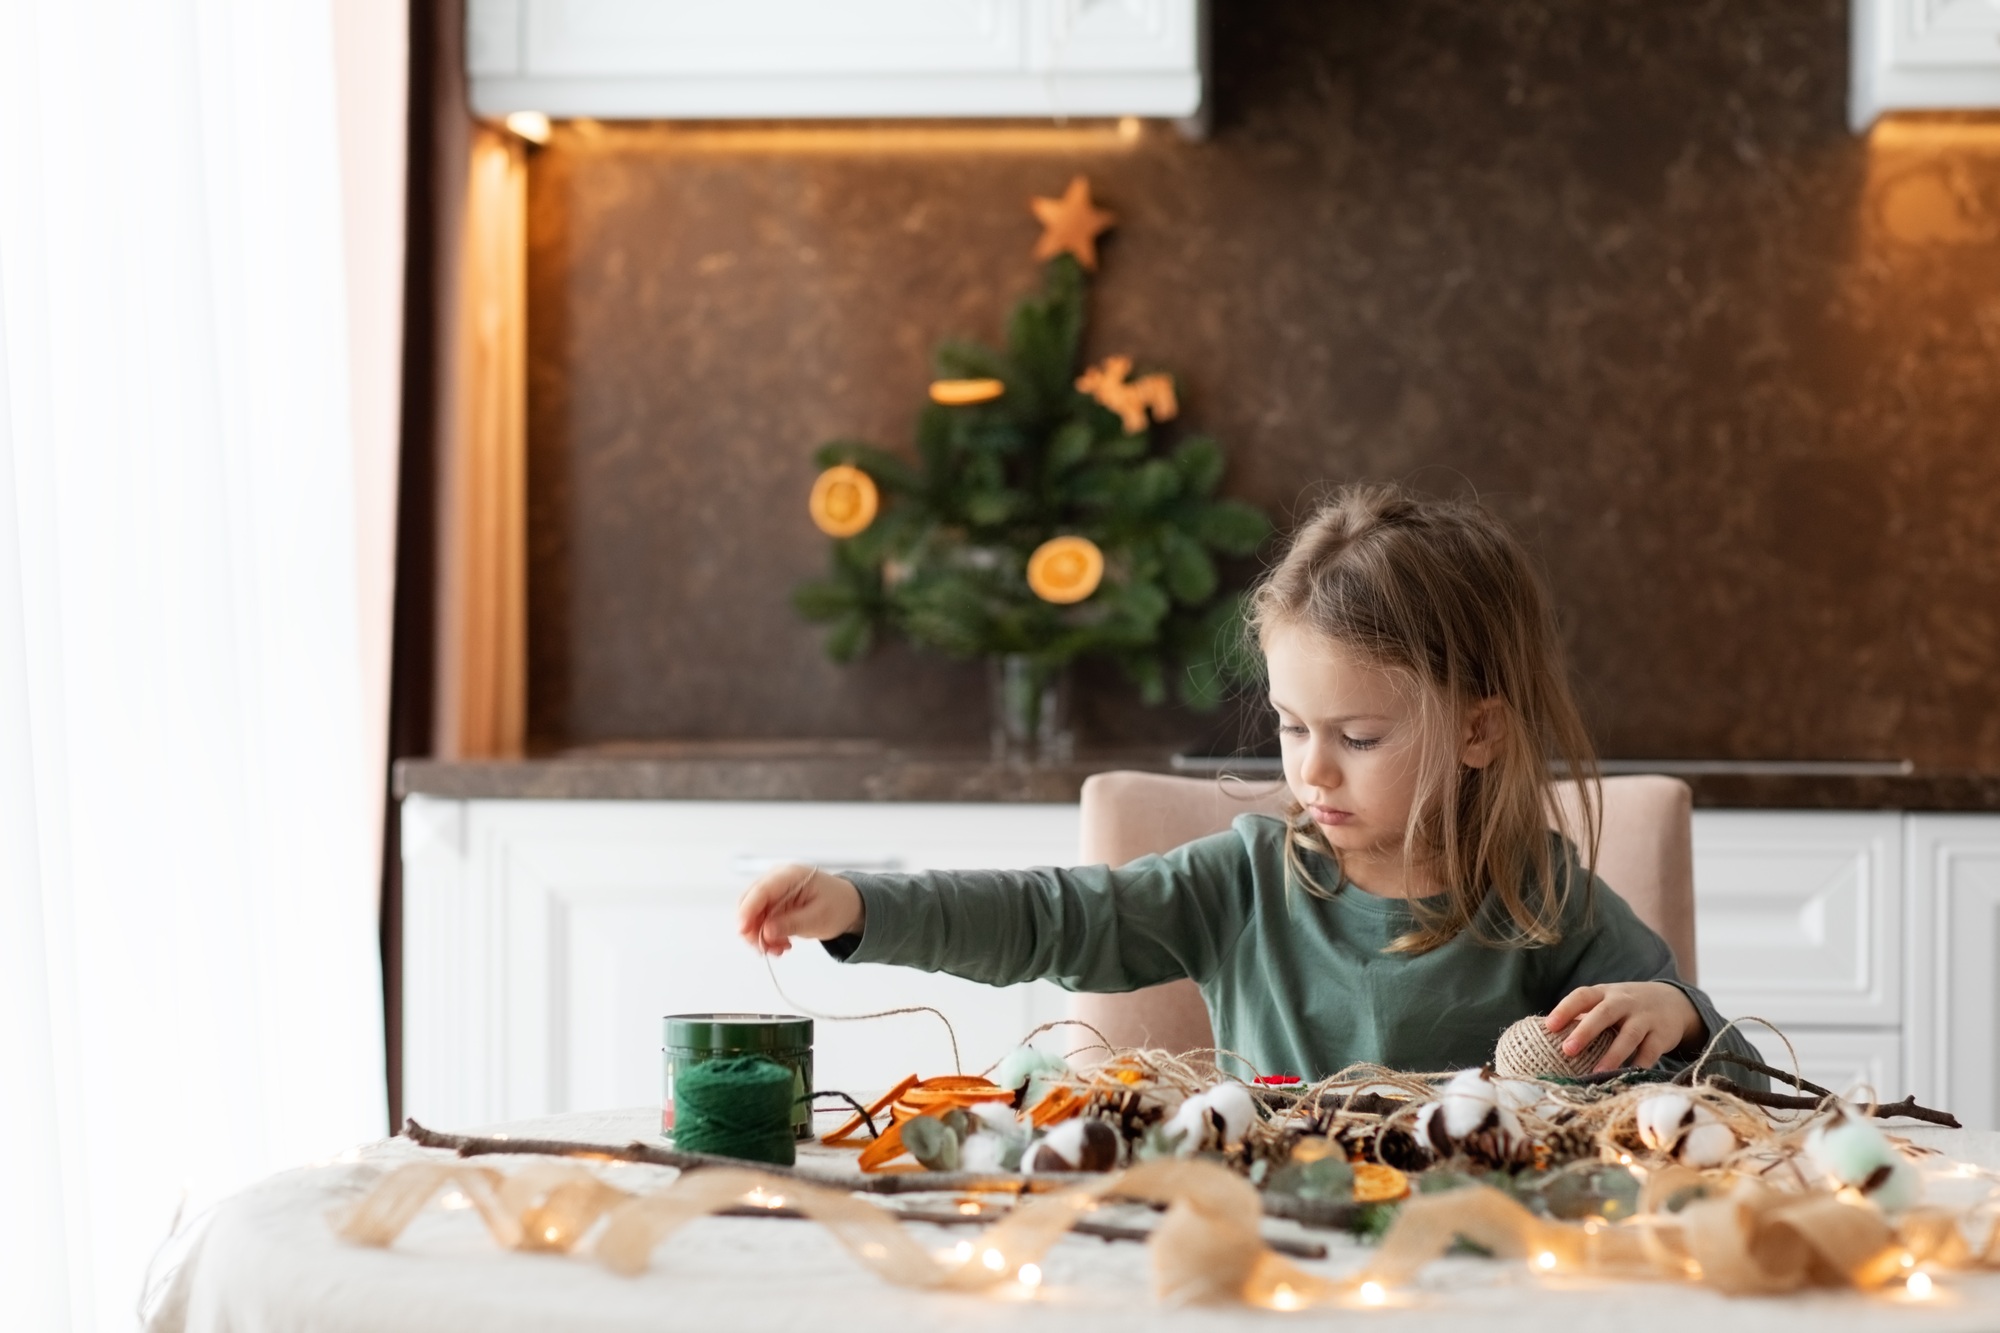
point(1578, 1002)
point(1623, 1045)
point(1650, 1050)
point(1604, 1015)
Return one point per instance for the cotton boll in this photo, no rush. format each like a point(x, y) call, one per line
point(982, 1151)
point(1469, 1103)
point(1469, 1115)
point(996, 1118)
point(1519, 1094)
point(1857, 1154)
point(1037, 1071)
point(1850, 1150)
point(1899, 1189)
point(1074, 1145)
point(1661, 1119)
point(1708, 1141)
point(1238, 1109)
point(1191, 1124)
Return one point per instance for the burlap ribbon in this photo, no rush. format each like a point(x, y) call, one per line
point(1207, 1248)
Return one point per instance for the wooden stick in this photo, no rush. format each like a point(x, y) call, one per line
point(1686, 1076)
point(1306, 1212)
point(913, 1182)
point(1883, 1110)
point(1083, 1226)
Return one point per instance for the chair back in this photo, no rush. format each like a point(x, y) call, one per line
point(1645, 854)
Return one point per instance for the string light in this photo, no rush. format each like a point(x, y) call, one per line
point(1373, 1293)
point(1284, 1298)
point(455, 1199)
point(1918, 1285)
point(963, 1251)
point(969, 1208)
point(1030, 1276)
point(994, 1260)
point(550, 1235)
point(1908, 1260)
point(1546, 1260)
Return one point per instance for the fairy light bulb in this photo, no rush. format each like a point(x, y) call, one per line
point(962, 1251)
point(1373, 1293)
point(1918, 1284)
point(1284, 1298)
point(994, 1260)
point(1546, 1260)
point(550, 1235)
point(1030, 1276)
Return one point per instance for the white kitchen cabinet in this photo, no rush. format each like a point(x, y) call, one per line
point(1798, 915)
point(545, 940)
point(1854, 1062)
point(681, 59)
point(1954, 947)
point(1922, 55)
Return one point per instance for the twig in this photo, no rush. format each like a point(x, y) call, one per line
point(1686, 1077)
point(1083, 1226)
point(900, 1182)
point(1780, 1101)
point(910, 1182)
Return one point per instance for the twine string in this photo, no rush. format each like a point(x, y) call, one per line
point(957, 1065)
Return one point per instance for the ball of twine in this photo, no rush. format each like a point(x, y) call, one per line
point(1530, 1050)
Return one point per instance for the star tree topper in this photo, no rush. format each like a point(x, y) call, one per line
point(1071, 224)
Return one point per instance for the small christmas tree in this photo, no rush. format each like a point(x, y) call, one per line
point(1041, 520)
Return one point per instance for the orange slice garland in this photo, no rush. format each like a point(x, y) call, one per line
point(1065, 569)
point(964, 393)
point(844, 501)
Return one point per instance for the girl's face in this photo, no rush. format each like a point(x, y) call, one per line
point(1351, 741)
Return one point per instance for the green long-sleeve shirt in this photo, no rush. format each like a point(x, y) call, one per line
point(1296, 983)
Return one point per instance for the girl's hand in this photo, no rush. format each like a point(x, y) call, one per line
point(797, 900)
point(1652, 1018)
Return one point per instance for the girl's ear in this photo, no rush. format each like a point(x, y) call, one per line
point(1483, 733)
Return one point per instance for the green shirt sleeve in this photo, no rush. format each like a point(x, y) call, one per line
point(1091, 928)
point(1604, 941)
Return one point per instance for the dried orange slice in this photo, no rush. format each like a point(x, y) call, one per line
point(963, 393)
point(1376, 1183)
point(883, 1150)
point(1058, 1105)
point(876, 1107)
point(1065, 569)
point(844, 501)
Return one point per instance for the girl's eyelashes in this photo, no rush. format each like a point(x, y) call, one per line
point(1290, 729)
point(1357, 743)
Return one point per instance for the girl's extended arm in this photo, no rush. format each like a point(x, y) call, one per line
point(1090, 928)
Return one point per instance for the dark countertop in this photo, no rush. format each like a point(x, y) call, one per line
point(863, 771)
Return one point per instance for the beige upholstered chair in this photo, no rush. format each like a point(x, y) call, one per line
point(1645, 853)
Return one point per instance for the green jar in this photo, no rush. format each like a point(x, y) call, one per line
point(785, 1038)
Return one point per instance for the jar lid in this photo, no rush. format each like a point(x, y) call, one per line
point(722, 1033)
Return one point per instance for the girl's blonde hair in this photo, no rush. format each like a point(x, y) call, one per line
point(1440, 595)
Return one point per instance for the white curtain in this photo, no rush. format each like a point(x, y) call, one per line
point(193, 429)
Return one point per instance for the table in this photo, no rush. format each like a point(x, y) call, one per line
point(267, 1260)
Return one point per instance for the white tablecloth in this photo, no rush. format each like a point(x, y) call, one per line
point(267, 1261)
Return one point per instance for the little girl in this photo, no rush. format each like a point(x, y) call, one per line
point(1413, 905)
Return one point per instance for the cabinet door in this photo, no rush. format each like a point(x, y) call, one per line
point(697, 37)
point(1954, 992)
point(1856, 1062)
point(541, 958)
point(1797, 915)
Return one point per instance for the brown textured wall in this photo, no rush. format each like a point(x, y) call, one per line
point(1618, 267)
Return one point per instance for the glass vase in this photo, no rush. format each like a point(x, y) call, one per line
point(1031, 724)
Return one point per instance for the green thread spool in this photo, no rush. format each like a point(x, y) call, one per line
point(736, 1106)
point(692, 1039)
